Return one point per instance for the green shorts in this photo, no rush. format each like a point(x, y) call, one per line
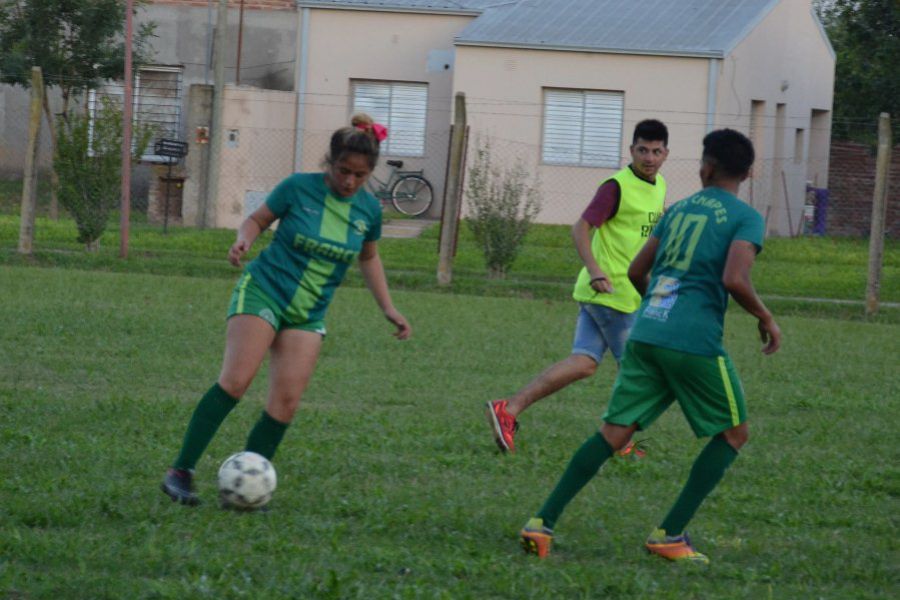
point(651, 378)
point(249, 299)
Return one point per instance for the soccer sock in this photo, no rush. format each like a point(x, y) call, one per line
point(209, 414)
point(265, 436)
point(708, 470)
point(582, 468)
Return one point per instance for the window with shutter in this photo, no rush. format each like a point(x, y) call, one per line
point(401, 107)
point(156, 102)
point(582, 128)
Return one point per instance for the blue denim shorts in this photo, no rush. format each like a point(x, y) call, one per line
point(600, 328)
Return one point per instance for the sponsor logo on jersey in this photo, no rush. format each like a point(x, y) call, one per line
point(360, 226)
point(323, 249)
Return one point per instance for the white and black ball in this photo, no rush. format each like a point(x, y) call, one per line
point(246, 481)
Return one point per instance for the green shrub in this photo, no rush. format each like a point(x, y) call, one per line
point(503, 203)
point(89, 164)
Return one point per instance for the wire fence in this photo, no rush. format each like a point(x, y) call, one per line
point(803, 182)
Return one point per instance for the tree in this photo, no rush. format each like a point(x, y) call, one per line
point(866, 38)
point(77, 43)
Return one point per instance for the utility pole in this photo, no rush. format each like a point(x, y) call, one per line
point(215, 129)
point(450, 214)
point(125, 217)
point(29, 179)
point(879, 210)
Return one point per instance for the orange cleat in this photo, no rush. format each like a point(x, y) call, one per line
point(536, 538)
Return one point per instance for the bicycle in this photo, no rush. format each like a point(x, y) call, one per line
point(408, 191)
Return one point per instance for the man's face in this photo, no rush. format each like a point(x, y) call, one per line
point(648, 157)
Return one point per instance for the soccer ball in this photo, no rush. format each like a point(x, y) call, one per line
point(246, 481)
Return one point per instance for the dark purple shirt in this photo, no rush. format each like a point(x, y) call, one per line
point(604, 205)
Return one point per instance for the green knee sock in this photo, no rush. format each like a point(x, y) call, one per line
point(708, 470)
point(582, 468)
point(209, 414)
point(265, 436)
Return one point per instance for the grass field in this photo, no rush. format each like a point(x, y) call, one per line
point(389, 483)
point(823, 268)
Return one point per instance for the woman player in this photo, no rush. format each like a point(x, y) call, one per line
point(326, 221)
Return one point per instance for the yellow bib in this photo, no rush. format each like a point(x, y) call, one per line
point(618, 240)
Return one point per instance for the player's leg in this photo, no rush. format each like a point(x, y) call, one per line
point(711, 397)
point(293, 360)
point(615, 326)
point(639, 397)
point(587, 351)
point(247, 340)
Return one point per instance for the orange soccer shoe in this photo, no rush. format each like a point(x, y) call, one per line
point(536, 538)
point(503, 425)
point(677, 548)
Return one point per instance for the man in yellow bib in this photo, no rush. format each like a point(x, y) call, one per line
point(607, 236)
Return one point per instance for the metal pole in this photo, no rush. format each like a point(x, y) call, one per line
point(879, 209)
point(126, 137)
point(209, 35)
point(166, 207)
point(237, 69)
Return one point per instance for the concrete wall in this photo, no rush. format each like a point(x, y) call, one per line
point(346, 44)
point(182, 39)
point(257, 152)
point(504, 90)
point(785, 66)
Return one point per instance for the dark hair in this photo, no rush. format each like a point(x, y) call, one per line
point(729, 151)
point(358, 138)
point(651, 130)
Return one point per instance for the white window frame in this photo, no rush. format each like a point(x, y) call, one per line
point(582, 128)
point(400, 106)
point(171, 120)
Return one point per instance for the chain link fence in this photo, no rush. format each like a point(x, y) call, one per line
point(820, 191)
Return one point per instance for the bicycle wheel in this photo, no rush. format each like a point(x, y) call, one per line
point(412, 195)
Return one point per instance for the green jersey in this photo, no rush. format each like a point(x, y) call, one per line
point(684, 308)
point(319, 235)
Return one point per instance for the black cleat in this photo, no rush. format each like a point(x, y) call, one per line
point(179, 486)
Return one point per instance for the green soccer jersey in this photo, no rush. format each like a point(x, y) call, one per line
point(319, 235)
point(684, 308)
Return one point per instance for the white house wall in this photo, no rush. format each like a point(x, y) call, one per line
point(504, 91)
point(783, 61)
point(345, 45)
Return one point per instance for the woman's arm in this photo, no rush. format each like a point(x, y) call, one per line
point(247, 233)
point(373, 273)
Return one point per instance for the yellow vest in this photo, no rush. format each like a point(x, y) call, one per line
point(618, 240)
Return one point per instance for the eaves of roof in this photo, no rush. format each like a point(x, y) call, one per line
point(390, 7)
point(594, 49)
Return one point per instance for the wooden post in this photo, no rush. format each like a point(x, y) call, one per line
point(879, 209)
point(453, 197)
point(29, 178)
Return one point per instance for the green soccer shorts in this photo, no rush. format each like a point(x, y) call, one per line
point(651, 378)
point(250, 299)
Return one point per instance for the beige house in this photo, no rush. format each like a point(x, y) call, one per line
point(559, 85)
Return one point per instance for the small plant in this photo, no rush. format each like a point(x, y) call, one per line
point(503, 204)
point(89, 163)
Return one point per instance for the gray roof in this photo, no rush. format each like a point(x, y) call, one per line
point(709, 28)
point(676, 27)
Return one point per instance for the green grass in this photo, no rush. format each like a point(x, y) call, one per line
point(827, 268)
point(389, 484)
